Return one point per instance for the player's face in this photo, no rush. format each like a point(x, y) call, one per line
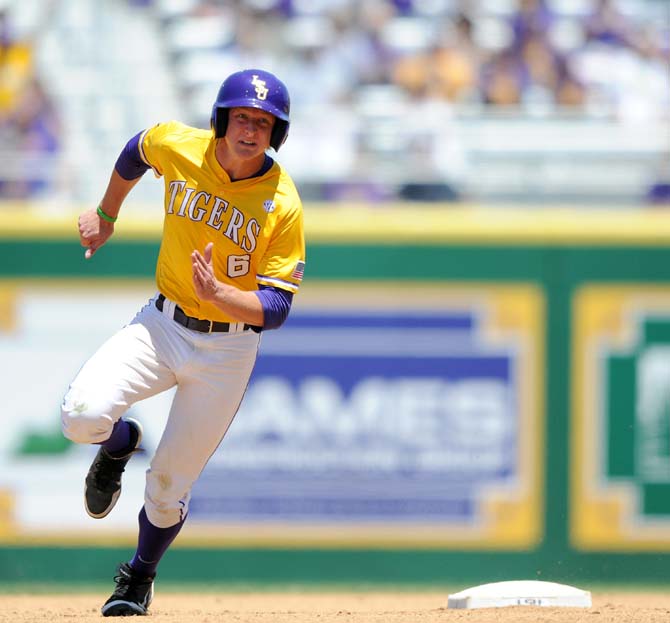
point(249, 130)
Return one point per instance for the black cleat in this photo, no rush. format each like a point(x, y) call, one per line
point(132, 595)
point(103, 481)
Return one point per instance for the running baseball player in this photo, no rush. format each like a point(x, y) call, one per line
point(231, 258)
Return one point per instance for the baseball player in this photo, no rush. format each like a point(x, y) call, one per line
point(231, 258)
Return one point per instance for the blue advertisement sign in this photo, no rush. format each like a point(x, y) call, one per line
point(367, 417)
point(387, 423)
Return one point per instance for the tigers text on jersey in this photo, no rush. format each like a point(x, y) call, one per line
point(255, 224)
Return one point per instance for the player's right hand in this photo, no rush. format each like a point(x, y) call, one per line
point(93, 232)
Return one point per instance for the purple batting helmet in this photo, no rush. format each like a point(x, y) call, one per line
point(258, 89)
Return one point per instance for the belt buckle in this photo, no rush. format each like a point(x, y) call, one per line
point(211, 326)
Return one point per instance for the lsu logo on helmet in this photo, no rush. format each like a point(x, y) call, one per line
point(261, 89)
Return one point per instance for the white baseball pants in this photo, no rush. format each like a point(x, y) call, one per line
point(150, 355)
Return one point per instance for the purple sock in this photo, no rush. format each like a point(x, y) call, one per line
point(152, 544)
point(119, 439)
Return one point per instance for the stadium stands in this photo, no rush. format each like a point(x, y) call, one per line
point(491, 101)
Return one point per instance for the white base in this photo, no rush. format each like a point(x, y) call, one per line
point(520, 593)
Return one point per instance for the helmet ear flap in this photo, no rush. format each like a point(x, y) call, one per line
point(279, 134)
point(219, 121)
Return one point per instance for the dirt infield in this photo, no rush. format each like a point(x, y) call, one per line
point(331, 607)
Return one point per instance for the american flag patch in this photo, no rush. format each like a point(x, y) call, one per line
point(299, 270)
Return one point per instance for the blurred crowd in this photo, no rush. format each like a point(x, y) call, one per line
point(434, 60)
point(588, 55)
point(29, 123)
point(591, 58)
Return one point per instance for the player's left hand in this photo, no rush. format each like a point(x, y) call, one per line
point(206, 284)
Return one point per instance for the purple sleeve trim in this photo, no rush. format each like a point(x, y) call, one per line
point(276, 305)
point(129, 164)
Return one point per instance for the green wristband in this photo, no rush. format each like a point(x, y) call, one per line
point(106, 217)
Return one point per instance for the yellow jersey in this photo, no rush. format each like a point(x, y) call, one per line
point(256, 224)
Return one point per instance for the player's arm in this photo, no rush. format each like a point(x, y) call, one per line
point(266, 308)
point(96, 228)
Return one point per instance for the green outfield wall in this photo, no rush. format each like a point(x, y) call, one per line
point(604, 475)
